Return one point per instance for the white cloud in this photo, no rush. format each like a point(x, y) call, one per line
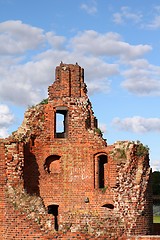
point(126, 15)
point(155, 23)
point(108, 44)
point(6, 119)
point(156, 165)
point(90, 8)
point(3, 132)
point(18, 92)
point(118, 18)
point(137, 124)
point(154, 19)
point(17, 37)
point(54, 40)
point(142, 78)
point(30, 56)
point(97, 73)
point(23, 76)
point(21, 84)
point(103, 127)
point(23, 81)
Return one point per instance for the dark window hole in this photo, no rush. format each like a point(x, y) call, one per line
point(108, 205)
point(53, 209)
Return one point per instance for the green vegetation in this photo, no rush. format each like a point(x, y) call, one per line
point(121, 153)
point(121, 149)
point(156, 219)
point(44, 101)
point(104, 189)
point(141, 149)
point(31, 106)
point(98, 130)
point(156, 183)
point(42, 118)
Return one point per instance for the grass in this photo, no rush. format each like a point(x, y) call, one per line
point(156, 219)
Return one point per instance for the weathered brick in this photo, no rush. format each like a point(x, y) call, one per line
point(92, 190)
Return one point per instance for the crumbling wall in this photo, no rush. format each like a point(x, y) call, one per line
point(97, 190)
point(133, 193)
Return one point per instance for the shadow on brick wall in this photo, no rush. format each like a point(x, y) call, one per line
point(30, 172)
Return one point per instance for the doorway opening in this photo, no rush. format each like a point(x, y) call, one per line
point(53, 209)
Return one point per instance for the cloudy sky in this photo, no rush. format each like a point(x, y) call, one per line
point(117, 42)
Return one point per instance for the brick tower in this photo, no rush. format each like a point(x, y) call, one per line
point(73, 169)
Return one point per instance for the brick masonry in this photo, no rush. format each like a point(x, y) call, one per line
point(64, 181)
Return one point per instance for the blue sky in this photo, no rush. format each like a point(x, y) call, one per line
point(117, 42)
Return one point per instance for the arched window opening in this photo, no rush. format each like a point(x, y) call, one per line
point(52, 164)
point(102, 160)
point(53, 209)
point(108, 205)
point(61, 122)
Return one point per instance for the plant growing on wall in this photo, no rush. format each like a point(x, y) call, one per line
point(121, 153)
point(44, 101)
point(141, 150)
point(104, 189)
point(98, 130)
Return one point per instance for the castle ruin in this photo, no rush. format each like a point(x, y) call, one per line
point(60, 180)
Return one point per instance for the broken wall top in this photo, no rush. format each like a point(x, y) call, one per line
point(69, 82)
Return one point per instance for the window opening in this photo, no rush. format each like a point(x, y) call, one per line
point(53, 209)
point(156, 196)
point(88, 121)
point(102, 160)
point(32, 141)
point(108, 205)
point(52, 164)
point(61, 123)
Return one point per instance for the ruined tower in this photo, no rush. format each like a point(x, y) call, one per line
point(58, 155)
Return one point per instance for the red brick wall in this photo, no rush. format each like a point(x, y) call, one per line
point(143, 238)
point(99, 190)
